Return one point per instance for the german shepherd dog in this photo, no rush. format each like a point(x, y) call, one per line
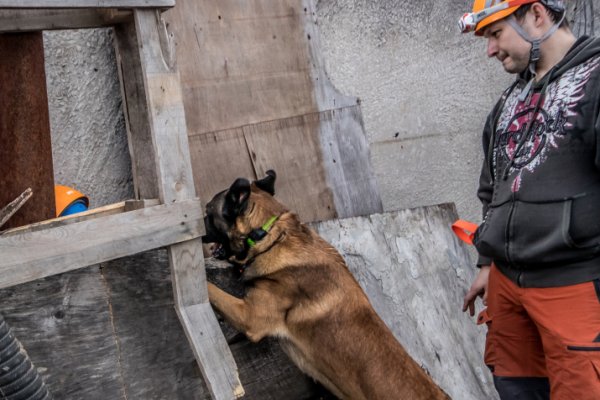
point(300, 291)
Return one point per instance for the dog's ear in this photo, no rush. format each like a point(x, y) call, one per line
point(236, 199)
point(267, 183)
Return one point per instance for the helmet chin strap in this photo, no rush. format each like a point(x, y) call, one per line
point(534, 53)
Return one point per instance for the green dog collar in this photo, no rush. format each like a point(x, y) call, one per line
point(258, 234)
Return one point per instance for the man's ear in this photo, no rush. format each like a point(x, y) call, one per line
point(236, 199)
point(267, 183)
point(541, 15)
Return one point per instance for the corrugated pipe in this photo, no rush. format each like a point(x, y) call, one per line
point(19, 379)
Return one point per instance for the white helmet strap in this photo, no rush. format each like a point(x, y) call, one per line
point(534, 54)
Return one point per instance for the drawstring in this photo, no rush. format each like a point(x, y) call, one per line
point(527, 132)
point(492, 143)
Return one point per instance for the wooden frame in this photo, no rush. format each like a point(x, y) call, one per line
point(50, 4)
point(161, 168)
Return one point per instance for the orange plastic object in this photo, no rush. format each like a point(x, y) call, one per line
point(465, 230)
point(65, 196)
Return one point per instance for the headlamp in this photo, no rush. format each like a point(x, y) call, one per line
point(469, 21)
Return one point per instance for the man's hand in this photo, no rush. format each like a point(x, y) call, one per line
point(479, 288)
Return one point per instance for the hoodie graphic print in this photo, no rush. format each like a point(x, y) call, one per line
point(549, 127)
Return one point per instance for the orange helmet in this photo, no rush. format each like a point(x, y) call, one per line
point(486, 12)
point(67, 197)
point(480, 5)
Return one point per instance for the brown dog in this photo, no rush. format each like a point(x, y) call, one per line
point(301, 291)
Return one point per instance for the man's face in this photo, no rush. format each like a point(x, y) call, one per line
point(507, 46)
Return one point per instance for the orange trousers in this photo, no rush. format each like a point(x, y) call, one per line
point(545, 332)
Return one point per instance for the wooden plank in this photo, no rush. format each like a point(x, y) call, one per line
point(161, 84)
point(292, 148)
point(14, 206)
point(110, 209)
point(69, 219)
point(65, 323)
point(346, 160)
point(135, 109)
point(25, 146)
point(220, 157)
point(211, 350)
point(242, 62)
point(34, 255)
point(37, 20)
point(86, 3)
point(111, 332)
point(165, 109)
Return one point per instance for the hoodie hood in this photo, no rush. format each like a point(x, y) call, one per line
point(583, 49)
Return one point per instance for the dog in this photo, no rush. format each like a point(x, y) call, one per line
point(299, 290)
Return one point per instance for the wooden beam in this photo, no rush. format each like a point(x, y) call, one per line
point(86, 3)
point(158, 141)
point(39, 20)
point(111, 209)
point(135, 109)
point(13, 206)
point(33, 255)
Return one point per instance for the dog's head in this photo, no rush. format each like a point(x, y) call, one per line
point(233, 214)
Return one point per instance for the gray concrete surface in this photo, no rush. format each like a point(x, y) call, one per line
point(89, 141)
point(425, 91)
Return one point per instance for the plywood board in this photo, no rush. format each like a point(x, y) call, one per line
point(111, 332)
point(256, 66)
point(292, 148)
point(241, 62)
point(220, 158)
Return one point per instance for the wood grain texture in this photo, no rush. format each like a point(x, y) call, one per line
point(11, 208)
point(292, 148)
point(110, 209)
point(241, 62)
point(157, 98)
point(346, 161)
point(135, 109)
point(218, 158)
point(257, 96)
point(86, 3)
point(165, 109)
point(33, 255)
point(25, 147)
point(37, 20)
point(111, 332)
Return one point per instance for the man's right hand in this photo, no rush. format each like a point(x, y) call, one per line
point(479, 288)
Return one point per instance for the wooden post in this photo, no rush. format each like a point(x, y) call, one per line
point(25, 147)
point(158, 137)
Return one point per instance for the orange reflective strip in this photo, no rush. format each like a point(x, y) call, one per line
point(464, 230)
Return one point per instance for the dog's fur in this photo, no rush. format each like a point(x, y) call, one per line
point(301, 291)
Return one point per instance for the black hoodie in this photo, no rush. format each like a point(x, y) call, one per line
point(540, 182)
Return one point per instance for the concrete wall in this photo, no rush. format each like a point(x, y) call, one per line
point(89, 141)
point(425, 91)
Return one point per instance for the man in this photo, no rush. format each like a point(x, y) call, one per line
point(539, 242)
